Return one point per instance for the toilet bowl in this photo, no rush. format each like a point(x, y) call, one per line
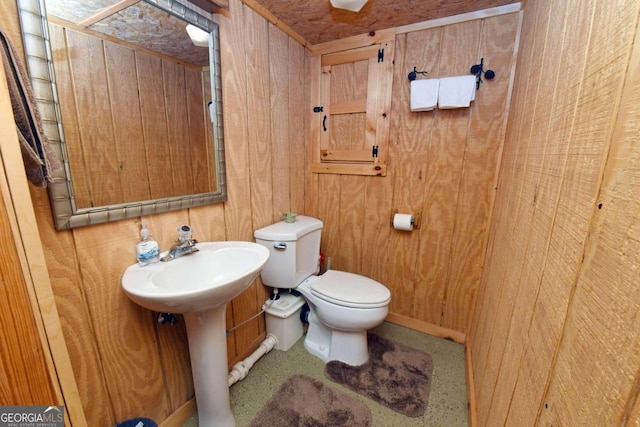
point(343, 306)
point(341, 313)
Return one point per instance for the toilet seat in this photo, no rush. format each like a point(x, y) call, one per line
point(350, 290)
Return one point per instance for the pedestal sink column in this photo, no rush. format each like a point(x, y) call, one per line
point(208, 349)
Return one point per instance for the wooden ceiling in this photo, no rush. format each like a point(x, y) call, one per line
point(310, 22)
point(132, 21)
point(316, 21)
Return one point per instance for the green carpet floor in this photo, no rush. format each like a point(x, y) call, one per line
point(447, 400)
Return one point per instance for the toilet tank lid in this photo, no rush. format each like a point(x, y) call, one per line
point(288, 231)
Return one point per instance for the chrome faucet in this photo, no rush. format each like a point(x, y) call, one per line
point(185, 245)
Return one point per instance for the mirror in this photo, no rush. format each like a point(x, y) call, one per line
point(159, 118)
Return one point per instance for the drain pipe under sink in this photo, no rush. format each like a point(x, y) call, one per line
point(241, 369)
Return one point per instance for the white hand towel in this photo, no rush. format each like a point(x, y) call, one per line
point(424, 94)
point(456, 92)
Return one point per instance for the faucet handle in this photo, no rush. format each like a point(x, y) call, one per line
point(184, 233)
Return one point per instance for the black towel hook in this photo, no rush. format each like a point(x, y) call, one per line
point(412, 75)
point(478, 69)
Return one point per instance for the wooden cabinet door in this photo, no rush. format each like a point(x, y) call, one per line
point(351, 123)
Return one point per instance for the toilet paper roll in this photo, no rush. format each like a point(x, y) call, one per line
point(403, 222)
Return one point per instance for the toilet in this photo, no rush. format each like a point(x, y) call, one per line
point(343, 306)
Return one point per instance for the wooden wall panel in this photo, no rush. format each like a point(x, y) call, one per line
point(443, 166)
point(99, 250)
point(368, 200)
point(502, 218)
point(501, 243)
point(442, 179)
point(562, 260)
point(298, 136)
point(260, 162)
point(519, 222)
point(201, 163)
point(124, 104)
point(68, 111)
point(634, 413)
point(212, 176)
point(410, 136)
point(235, 98)
point(97, 135)
point(154, 122)
point(238, 208)
point(511, 215)
point(79, 334)
point(115, 345)
point(352, 211)
point(483, 148)
point(10, 26)
point(410, 132)
point(312, 182)
point(329, 213)
point(175, 361)
point(403, 246)
point(173, 350)
point(264, 95)
point(376, 232)
point(152, 113)
point(545, 162)
point(278, 76)
point(25, 378)
point(540, 324)
point(488, 297)
point(600, 341)
point(177, 127)
point(36, 367)
point(542, 368)
point(24, 372)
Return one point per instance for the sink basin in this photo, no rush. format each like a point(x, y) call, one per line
point(199, 285)
point(213, 276)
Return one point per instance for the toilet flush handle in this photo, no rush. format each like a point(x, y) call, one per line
point(280, 246)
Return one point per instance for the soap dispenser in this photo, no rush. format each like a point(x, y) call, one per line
point(147, 249)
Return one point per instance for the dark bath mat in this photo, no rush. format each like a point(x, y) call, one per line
point(306, 402)
point(138, 422)
point(396, 376)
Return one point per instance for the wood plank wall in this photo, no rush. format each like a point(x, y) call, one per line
point(134, 122)
point(442, 166)
point(126, 365)
point(24, 372)
point(555, 335)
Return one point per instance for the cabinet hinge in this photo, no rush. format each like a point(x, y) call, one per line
point(380, 55)
point(317, 109)
point(374, 151)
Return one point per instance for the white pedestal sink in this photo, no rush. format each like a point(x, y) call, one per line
point(199, 285)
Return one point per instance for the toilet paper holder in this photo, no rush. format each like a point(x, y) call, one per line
point(415, 222)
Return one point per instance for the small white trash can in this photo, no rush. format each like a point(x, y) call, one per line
point(283, 320)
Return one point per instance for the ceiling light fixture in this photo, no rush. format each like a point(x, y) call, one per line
point(198, 36)
point(352, 5)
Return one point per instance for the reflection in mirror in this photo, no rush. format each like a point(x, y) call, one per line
point(131, 105)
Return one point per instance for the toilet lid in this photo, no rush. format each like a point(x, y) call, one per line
point(350, 290)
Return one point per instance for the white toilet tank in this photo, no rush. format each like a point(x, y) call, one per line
point(294, 249)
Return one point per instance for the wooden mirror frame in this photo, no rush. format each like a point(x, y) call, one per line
point(37, 46)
